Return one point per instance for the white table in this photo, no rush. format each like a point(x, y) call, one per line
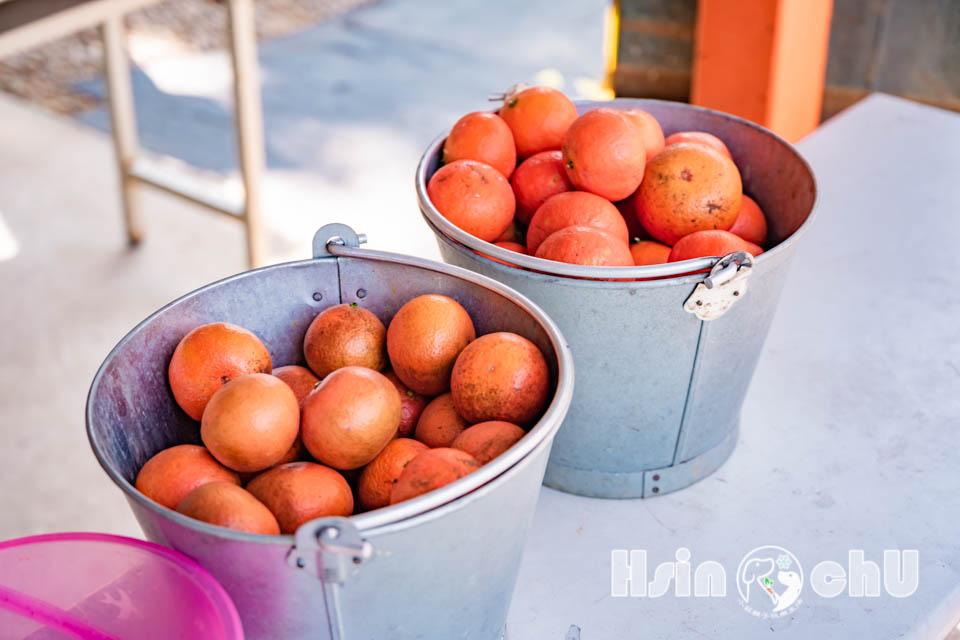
point(850, 430)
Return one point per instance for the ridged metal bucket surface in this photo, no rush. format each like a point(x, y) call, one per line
point(658, 394)
point(444, 564)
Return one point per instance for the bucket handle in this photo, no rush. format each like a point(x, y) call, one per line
point(331, 549)
point(724, 285)
point(336, 234)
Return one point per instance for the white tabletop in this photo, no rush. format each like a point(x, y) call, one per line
point(849, 433)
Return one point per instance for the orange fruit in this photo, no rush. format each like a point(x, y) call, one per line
point(512, 234)
point(537, 178)
point(751, 224)
point(227, 505)
point(715, 242)
point(379, 477)
point(424, 339)
point(587, 246)
point(574, 208)
point(500, 376)
point(300, 380)
point(628, 209)
point(411, 405)
point(350, 417)
point(649, 252)
point(698, 137)
point(653, 140)
point(512, 246)
point(298, 492)
point(251, 422)
point(538, 118)
point(474, 197)
point(484, 137)
point(345, 335)
point(173, 473)
point(686, 188)
point(351, 475)
point(296, 452)
point(210, 356)
point(432, 469)
point(487, 440)
point(604, 153)
point(440, 423)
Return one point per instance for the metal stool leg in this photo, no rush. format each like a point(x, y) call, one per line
point(123, 119)
point(249, 120)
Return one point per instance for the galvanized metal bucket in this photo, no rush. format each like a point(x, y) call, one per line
point(661, 376)
point(440, 566)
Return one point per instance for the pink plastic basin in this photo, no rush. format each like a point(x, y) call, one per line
point(101, 587)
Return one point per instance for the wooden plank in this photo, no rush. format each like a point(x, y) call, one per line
point(27, 23)
point(734, 56)
point(919, 49)
point(248, 119)
point(655, 50)
point(799, 66)
point(908, 48)
point(763, 60)
point(123, 120)
point(857, 25)
point(666, 11)
point(17, 13)
point(641, 81)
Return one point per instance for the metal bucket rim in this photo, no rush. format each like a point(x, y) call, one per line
point(642, 276)
point(605, 283)
point(540, 435)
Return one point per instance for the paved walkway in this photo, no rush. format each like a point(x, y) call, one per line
point(70, 292)
point(350, 104)
point(349, 107)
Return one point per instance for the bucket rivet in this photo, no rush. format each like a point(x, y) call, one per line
point(699, 303)
point(318, 296)
point(361, 293)
point(301, 563)
point(331, 533)
point(656, 489)
point(736, 293)
point(656, 477)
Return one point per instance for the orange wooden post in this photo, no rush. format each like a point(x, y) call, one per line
point(763, 60)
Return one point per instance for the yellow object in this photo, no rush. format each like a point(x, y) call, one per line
point(611, 44)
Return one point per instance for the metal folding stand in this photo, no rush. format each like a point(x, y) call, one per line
point(24, 24)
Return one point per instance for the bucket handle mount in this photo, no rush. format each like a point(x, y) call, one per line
point(332, 548)
point(335, 234)
point(726, 283)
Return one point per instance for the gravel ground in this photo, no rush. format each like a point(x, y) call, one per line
point(47, 74)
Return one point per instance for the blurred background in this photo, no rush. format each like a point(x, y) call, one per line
point(125, 125)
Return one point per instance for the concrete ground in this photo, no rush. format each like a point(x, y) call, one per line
point(349, 106)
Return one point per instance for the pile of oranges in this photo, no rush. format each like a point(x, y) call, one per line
point(605, 188)
point(379, 415)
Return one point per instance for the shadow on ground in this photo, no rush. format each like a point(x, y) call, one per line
point(401, 69)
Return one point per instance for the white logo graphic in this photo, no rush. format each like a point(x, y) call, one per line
point(769, 581)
